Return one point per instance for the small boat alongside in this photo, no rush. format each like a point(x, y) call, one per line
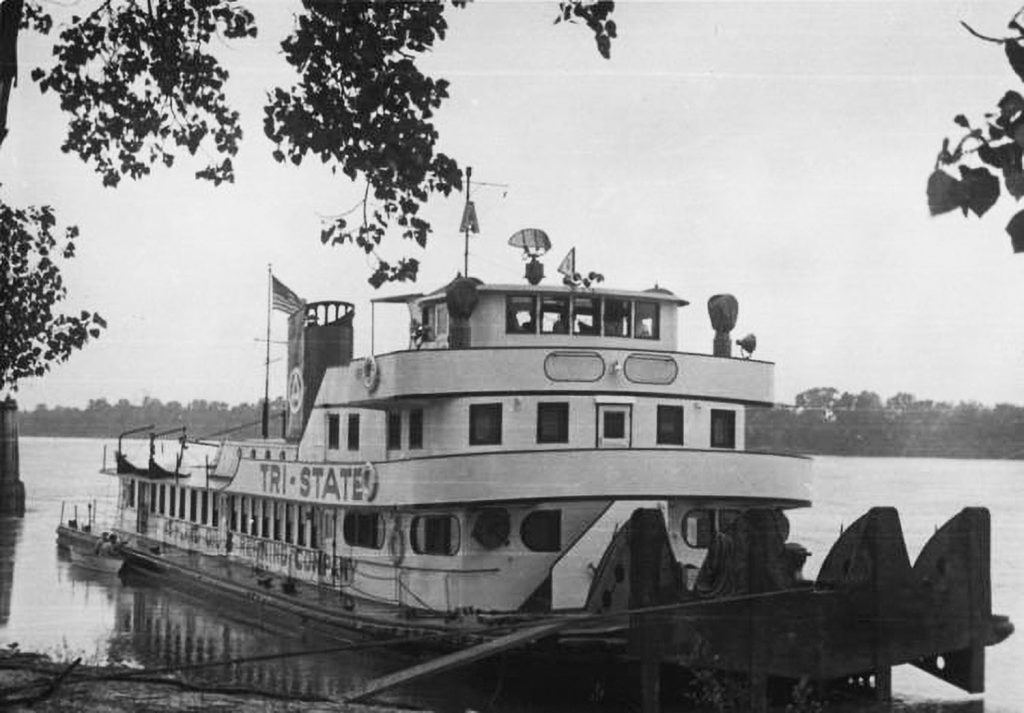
point(543, 467)
point(88, 548)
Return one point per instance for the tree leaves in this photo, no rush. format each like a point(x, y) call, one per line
point(33, 336)
point(1015, 229)
point(362, 106)
point(139, 84)
point(141, 88)
point(595, 15)
point(976, 191)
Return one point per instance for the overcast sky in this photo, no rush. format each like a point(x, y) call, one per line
point(778, 151)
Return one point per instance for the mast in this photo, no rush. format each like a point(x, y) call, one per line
point(466, 224)
point(266, 364)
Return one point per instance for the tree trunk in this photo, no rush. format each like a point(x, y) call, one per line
point(12, 490)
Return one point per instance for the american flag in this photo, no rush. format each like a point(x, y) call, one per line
point(284, 299)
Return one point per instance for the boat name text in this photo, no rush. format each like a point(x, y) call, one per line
point(345, 483)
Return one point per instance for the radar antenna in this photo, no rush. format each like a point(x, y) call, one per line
point(534, 243)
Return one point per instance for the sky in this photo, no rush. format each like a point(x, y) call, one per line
point(777, 151)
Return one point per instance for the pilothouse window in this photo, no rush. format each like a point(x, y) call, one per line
point(554, 315)
point(647, 320)
point(521, 314)
point(617, 318)
point(587, 315)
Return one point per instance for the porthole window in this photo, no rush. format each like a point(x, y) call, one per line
point(541, 531)
point(697, 528)
point(727, 517)
point(434, 534)
point(363, 529)
point(492, 527)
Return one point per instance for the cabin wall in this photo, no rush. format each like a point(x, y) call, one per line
point(446, 425)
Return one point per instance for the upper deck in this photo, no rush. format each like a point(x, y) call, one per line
point(554, 315)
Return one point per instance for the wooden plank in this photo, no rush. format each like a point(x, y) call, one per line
point(454, 660)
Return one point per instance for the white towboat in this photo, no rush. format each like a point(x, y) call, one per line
point(492, 474)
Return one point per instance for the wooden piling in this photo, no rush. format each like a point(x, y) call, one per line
point(12, 490)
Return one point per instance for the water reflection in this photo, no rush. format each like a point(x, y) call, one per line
point(10, 534)
point(206, 642)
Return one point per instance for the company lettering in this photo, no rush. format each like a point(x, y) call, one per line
point(325, 484)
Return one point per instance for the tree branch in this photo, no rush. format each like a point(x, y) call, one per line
point(981, 36)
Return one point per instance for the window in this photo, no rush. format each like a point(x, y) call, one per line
point(152, 497)
point(394, 428)
point(363, 529)
point(216, 510)
point(616, 318)
point(587, 315)
point(301, 526)
point(670, 425)
point(289, 521)
point(552, 423)
point(163, 499)
point(723, 428)
point(243, 520)
point(554, 315)
point(333, 432)
point(194, 509)
point(181, 503)
point(541, 531)
point(521, 314)
point(416, 428)
point(647, 320)
point(205, 508)
point(171, 500)
point(728, 517)
point(353, 432)
point(484, 424)
point(697, 528)
point(434, 535)
point(615, 424)
point(233, 516)
point(277, 521)
point(130, 496)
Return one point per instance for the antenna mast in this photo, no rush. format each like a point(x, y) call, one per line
point(467, 224)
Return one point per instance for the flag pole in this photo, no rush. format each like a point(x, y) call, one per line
point(266, 365)
point(465, 265)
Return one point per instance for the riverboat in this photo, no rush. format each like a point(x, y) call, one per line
point(545, 455)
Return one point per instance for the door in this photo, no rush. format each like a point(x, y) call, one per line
point(614, 425)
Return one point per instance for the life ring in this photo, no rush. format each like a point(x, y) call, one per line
point(370, 374)
point(396, 542)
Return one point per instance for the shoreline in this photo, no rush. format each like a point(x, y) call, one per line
point(33, 681)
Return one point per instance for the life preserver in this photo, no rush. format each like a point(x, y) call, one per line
point(370, 374)
point(396, 542)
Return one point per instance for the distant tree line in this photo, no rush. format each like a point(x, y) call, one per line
point(101, 419)
point(827, 422)
point(821, 421)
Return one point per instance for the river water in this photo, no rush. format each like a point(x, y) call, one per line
point(47, 604)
